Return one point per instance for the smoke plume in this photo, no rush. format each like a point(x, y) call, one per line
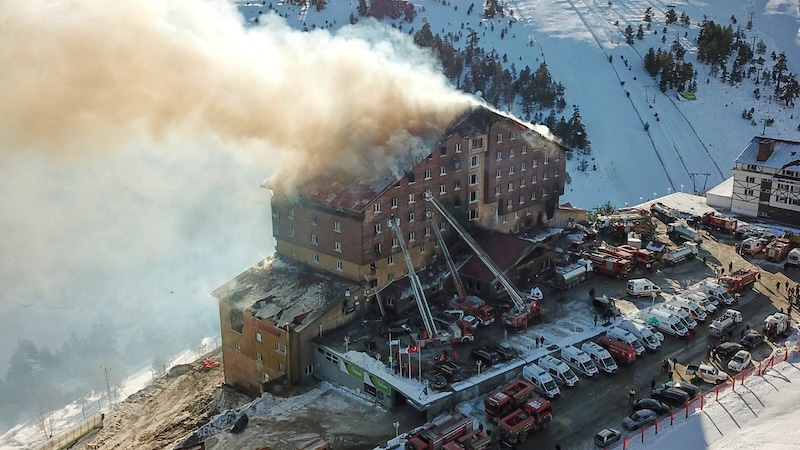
point(134, 136)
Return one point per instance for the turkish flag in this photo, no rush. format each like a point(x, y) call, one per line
point(413, 349)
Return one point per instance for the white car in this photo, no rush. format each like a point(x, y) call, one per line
point(740, 360)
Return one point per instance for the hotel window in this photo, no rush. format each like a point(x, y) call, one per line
point(293, 251)
point(377, 208)
point(555, 173)
point(458, 148)
point(314, 220)
point(316, 257)
point(510, 187)
point(558, 156)
point(427, 233)
point(258, 337)
point(521, 199)
point(394, 202)
point(258, 356)
point(442, 189)
point(533, 179)
point(473, 161)
point(377, 228)
point(442, 171)
point(511, 153)
point(442, 151)
point(499, 156)
point(473, 196)
point(411, 177)
point(456, 164)
point(314, 239)
point(511, 170)
point(505, 218)
point(291, 231)
point(510, 204)
point(545, 176)
point(499, 173)
point(524, 149)
point(442, 227)
point(533, 195)
point(237, 346)
point(412, 236)
point(512, 135)
point(390, 276)
point(473, 214)
point(337, 227)
point(457, 185)
point(411, 217)
point(280, 348)
point(546, 160)
point(500, 138)
point(428, 174)
point(337, 247)
point(497, 191)
point(477, 143)
point(291, 213)
point(522, 183)
point(473, 179)
point(748, 192)
point(339, 266)
point(751, 179)
point(378, 248)
point(411, 198)
point(535, 163)
point(523, 166)
point(395, 243)
point(544, 193)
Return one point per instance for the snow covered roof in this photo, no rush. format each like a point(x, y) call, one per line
point(688, 204)
point(284, 291)
point(783, 153)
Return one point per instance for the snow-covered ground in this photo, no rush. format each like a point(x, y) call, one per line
point(123, 208)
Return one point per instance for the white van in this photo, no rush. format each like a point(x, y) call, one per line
point(793, 259)
point(716, 291)
point(642, 287)
point(559, 371)
point(708, 304)
point(687, 320)
point(600, 356)
point(621, 335)
point(579, 360)
point(664, 321)
point(689, 306)
point(751, 246)
point(542, 382)
point(642, 333)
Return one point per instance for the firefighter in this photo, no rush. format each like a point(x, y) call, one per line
point(632, 394)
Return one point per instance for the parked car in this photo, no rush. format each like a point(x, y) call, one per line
point(605, 306)
point(606, 437)
point(752, 339)
point(639, 419)
point(451, 371)
point(689, 388)
point(486, 356)
point(670, 396)
point(505, 350)
point(740, 360)
point(726, 349)
point(435, 379)
point(656, 406)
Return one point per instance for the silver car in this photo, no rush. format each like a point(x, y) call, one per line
point(639, 419)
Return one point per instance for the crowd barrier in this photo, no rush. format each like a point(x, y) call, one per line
point(72, 434)
point(639, 437)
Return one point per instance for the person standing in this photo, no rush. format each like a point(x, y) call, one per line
point(730, 267)
point(652, 385)
point(595, 320)
point(631, 395)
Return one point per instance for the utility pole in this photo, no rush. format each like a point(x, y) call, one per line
point(108, 385)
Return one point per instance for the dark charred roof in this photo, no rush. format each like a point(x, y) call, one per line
point(504, 249)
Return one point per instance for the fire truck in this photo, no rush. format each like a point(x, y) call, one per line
point(639, 256)
point(720, 223)
point(474, 440)
point(475, 307)
point(436, 434)
point(502, 402)
point(664, 213)
point(535, 414)
point(526, 307)
point(610, 265)
point(777, 250)
point(739, 280)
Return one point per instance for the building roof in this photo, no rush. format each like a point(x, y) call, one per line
point(504, 249)
point(786, 152)
point(286, 292)
point(345, 191)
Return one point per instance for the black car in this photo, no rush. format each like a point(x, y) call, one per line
point(689, 388)
point(727, 349)
point(652, 404)
point(670, 396)
point(752, 339)
point(505, 350)
point(435, 379)
point(450, 371)
point(486, 356)
point(605, 306)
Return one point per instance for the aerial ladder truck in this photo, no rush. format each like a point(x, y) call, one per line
point(524, 309)
point(470, 304)
point(456, 333)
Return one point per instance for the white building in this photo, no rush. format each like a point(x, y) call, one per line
point(766, 180)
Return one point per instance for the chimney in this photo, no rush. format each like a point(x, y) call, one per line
point(765, 149)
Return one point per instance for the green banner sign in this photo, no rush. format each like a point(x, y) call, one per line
point(354, 370)
point(380, 384)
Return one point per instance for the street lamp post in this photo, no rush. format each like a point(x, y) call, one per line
point(396, 429)
point(479, 367)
